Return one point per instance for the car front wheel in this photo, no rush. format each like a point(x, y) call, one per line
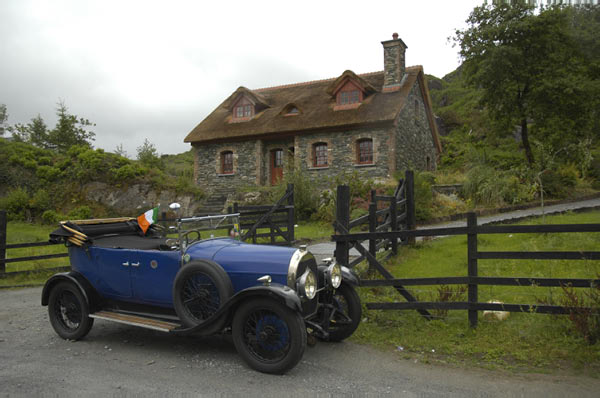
point(346, 313)
point(68, 312)
point(269, 336)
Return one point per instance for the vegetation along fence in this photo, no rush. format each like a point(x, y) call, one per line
point(398, 215)
point(472, 279)
point(267, 224)
point(4, 247)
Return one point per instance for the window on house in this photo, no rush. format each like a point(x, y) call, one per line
point(364, 151)
point(348, 97)
point(227, 162)
point(293, 111)
point(243, 109)
point(320, 154)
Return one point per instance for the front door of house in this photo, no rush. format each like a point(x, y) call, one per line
point(276, 166)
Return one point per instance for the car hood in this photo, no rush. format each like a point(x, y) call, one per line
point(246, 261)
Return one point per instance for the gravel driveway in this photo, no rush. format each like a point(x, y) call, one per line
point(119, 360)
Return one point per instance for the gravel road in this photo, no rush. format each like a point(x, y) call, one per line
point(119, 360)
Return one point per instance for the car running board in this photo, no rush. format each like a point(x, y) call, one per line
point(135, 320)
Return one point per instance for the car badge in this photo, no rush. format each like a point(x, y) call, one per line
point(153, 264)
point(186, 258)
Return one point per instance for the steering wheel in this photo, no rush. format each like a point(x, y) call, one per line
point(189, 238)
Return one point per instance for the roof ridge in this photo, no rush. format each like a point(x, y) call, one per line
point(309, 82)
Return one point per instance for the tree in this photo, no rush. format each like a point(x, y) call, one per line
point(119, 150)
point(3, 118)
point(148, 155)
point(35, 132)
point(69, 130)
point(532, 71)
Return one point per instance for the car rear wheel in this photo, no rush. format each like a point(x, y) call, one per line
point(269, 336)
point(346, 313)
point(68, 311)
point(200, 289)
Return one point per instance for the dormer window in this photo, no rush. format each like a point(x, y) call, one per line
point(293, 111)
point(349, 94)
point(243, 109)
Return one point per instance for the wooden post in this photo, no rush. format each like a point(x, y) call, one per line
point(411, 223)
point(372, 228)
point(394, 224)
point(472, 264)
point(2, 240)
point(342, 216)
point(291, 215)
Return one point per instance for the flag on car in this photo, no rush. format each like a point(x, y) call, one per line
point(147, 219)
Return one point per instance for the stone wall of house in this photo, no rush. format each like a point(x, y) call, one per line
point(415, 148)
point(342, 154)
point(208, 165)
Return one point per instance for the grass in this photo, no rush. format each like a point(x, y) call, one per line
point(535, 342)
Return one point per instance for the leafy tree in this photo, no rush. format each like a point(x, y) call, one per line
point(148, 155)
point(3, 118)
point(69, 130)
point(35, 132)
point(532, 70)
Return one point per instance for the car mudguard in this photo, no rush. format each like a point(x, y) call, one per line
point(87, 290)
point(349, 276)
point(274, 291)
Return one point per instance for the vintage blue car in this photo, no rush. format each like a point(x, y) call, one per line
point(204, 280)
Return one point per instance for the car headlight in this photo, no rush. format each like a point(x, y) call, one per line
point(307, 285)
point(334, 274)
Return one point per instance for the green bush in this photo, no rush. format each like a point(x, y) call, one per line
point(559, 183)
point(16, 204)
point(423, 195)
point(48, 173)
point(80, 213)
point(51, 217)
point(306, 199)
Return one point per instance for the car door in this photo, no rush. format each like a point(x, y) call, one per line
point(152, 276)
point(112, 271)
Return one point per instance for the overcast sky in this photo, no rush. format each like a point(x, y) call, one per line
point(155, 69)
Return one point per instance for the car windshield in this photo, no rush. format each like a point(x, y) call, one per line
point(208, 227)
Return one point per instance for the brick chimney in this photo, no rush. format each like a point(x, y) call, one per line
point(393, 63)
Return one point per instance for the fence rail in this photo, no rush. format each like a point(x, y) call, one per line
point(472, 279)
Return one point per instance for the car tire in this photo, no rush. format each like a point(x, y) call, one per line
point(68, 311)
point(200, 289)
point(269, 336)
point(349, 311)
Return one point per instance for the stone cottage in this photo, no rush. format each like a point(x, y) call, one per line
point(374, 123)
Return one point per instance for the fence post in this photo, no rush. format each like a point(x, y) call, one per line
point(291, 214)
point(394, 224)
point(2, 240)
point(472, 264)
point(372, 228)
point(342, 217)
point(411, 223)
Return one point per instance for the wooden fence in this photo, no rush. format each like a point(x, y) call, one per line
point(472, 279)
point(277, 220)
point(399, 215)
point(4, 247)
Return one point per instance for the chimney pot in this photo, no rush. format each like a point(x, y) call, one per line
point(395, 36)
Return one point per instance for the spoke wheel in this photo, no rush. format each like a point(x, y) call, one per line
point(346, 313)
point(68, 311)
point(269, 336)
point(200, 289)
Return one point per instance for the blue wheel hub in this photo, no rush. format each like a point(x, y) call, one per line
point(272, 333)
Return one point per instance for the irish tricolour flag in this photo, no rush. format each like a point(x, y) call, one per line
point(148, 218)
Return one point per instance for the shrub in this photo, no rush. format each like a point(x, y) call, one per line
point(306, 199)
point(80, 213)
point(48, 173)
point(423, 195)
point(16, 204)
point(51, 217)
point(559, 183)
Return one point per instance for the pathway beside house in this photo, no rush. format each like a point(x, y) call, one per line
point(326, 249)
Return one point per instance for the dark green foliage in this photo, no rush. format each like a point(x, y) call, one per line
point(535, 71)
point(69, 130)
point(16, 203)
point(559, 183)
point(80, 213)
point(148, 155)
point(423, 194)
point(51, 217)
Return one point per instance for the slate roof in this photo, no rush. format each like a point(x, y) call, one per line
point(316, 105)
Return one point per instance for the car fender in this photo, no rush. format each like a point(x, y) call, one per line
point(84, 286)
point(275, 291)
point(349, 276)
